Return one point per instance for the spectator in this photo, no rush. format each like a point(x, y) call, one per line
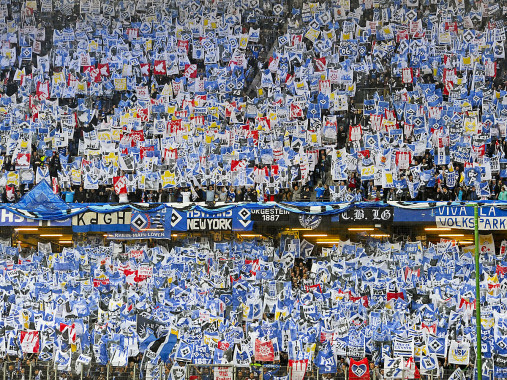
point(503, 194)
point(185, 194)
point(296, 194)
point(210, 194)
point(319, 191)
point(305, 194)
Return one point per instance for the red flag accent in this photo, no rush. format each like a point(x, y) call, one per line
point(359, 370)
point(120, 185)
point(160, 67)
point(264, 351)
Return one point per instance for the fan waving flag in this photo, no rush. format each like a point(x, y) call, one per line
point(264, 351)
point(120, 185)
point(159, 68)
point(29, 342)
point(359, 370)
point(326, 360)
point(298, 369)
point(407, 75)
point(459, 353)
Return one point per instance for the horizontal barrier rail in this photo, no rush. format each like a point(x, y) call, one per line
point(32, 370)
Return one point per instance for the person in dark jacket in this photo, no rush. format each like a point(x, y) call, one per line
point(472, 194)
point(342, 136)
point(305, 194)
point(79, 196)
point(54, 165)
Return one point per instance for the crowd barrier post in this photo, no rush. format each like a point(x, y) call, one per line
point(81, 372)
point(30, 371)
point(161, 371)
point(47, 372)
point(56, 372)
point(478, 292)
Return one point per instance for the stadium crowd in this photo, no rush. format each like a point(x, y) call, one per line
point(248, 100)
point(287, 101)
point(252, 303)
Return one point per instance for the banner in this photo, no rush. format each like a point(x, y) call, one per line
point(365, 215)
point(105, 222)
point(270, 216)
point(8, 218)
point(234, 219)
point(223, 373)
point(147, 225)
point(461, 217)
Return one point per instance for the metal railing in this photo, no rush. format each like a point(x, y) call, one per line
point(31, 370)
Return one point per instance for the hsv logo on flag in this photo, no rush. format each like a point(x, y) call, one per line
point(264, 351)
point(120, 185)
point(359, 370)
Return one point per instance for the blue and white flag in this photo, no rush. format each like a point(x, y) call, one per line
point(184, 351)
point(305, 248)
point(325, 359)
point(472, 176)
point(62, 360)
point(437, 346)
point(428, 364)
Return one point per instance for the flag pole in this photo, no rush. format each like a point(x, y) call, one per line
point(477, 294)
